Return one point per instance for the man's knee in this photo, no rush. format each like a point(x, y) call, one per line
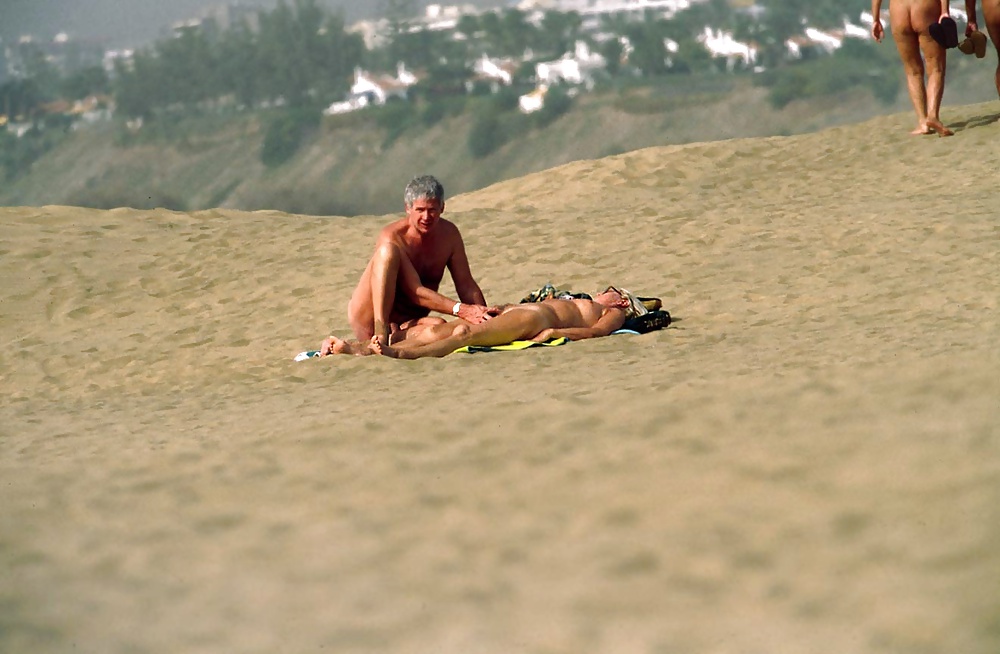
point(386, 253)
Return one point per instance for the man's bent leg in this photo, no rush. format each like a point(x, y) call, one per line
point(371, 305)
point(385, 270)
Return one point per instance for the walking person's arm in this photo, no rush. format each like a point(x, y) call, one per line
point(877, 31)
point(972, 25)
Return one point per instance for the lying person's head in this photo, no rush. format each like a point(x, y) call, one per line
point(621, 298)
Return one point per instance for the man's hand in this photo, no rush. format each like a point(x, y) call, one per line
point(971, 27)
point(877, 30)
point(474, 313)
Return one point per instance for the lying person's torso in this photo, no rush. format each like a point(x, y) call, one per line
point(570, 313)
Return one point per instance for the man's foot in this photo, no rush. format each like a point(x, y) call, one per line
point(334, 345)
point(376, 346)
point(922, 130)
point(938, 126)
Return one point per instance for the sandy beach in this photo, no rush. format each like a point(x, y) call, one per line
point(807, 460)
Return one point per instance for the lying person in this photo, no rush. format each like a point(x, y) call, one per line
point(575, 319)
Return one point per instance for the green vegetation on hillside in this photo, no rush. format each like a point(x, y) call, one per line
point(201, 147)
point(301, 58)
point(857, 64)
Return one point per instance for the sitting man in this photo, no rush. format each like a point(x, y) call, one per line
point(575, 319)
point(399, 286)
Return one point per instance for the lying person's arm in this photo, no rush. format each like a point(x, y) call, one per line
point(610, 320)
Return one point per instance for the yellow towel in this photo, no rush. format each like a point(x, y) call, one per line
point(508, 347)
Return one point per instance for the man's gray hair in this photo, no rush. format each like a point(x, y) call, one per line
point(425, 187)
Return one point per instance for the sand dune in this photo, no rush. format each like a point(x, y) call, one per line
point(808, 460)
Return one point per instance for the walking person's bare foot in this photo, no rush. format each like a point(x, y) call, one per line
point(938, 126)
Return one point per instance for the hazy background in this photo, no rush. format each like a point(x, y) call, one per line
point(125, 23)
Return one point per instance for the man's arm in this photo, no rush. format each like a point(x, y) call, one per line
point(428, 298)
point(473, 301)
point(419, 294)
point(461, 273)
point(610, 320)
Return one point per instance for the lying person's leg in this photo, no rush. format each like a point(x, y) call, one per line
point(334, 345)
point(515, 324)
point(416, 331)
point(413, 332)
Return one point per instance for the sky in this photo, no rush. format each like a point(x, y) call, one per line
point(127, 23)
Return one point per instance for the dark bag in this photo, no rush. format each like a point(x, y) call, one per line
point(648, 322)
point(945, 32)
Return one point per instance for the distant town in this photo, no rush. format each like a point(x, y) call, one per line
point(298, 62)
point(579, 66)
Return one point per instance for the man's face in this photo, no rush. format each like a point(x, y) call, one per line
point(424, 214)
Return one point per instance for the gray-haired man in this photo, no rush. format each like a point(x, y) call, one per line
point(399, 286)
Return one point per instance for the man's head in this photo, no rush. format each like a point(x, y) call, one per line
point(621, 298)
point(424, 203)
point(425, 187)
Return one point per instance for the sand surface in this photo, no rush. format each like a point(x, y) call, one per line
point(808, 460)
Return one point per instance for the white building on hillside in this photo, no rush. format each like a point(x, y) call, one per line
point(531, 102)
point(371, 89)
point(722, 44)
point(576, 68)
point(495, 72)
point(584, 7)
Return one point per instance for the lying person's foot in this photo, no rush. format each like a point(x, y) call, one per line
point(334, 345)
point(376, 346)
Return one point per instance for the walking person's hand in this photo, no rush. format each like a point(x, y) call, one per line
point(877, 31)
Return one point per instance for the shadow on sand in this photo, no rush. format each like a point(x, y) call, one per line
point(976, 121)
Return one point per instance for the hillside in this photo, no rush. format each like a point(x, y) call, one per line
point(350, 167)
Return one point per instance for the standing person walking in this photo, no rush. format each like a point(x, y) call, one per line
point(991, 16)
point(910, 21)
